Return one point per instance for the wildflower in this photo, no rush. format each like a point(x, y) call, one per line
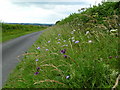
point(36, 73)
point(90, 41)
point(38, 47)
point(46, 49)
point(73, 40)
point(77, 41)
point(63, 51)
point(36, 60)
point(59, 34)
point(87, 32)
point(67, 77)
point(48, 41)
point(65, 56)
point(58, 42)
point(116, 56)
point(66, 45)
point(38, 68)
point(59, 39)
point(72, 32)
point(110, 57)
point(64, 41)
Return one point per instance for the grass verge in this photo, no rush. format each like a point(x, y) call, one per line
point(76, 54)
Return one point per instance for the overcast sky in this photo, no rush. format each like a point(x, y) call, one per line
point(40, 11)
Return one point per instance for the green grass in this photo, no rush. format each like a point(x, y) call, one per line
point(93, 62)
point(11, 31)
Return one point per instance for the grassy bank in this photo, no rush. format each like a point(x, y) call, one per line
point(76, 53)
point(11, 31)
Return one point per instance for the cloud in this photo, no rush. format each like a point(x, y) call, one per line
point(37, 11)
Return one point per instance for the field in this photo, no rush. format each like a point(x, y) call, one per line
point(80, 51)
point(11, 31)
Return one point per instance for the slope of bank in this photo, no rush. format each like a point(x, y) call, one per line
point(81, 51)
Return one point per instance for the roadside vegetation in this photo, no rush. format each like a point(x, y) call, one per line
point(81, 51)
point(10, 31)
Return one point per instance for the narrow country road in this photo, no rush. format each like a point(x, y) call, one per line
point(14, 48)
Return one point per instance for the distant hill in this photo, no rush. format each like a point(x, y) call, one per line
point(32, 24)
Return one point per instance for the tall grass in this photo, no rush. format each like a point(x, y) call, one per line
point(76, 54)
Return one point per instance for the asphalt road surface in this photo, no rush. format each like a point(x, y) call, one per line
point(12, 49)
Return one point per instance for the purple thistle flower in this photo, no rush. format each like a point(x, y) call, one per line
point(63, 51)
point(58, 34)
point(77, 41)
point(65, 56)
point(36, 60)
point(67, 77)
point(58, 42)
point(36, 73)
point(38, 47)
point(38, 68)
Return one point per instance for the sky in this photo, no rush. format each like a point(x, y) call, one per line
point(40, 11)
